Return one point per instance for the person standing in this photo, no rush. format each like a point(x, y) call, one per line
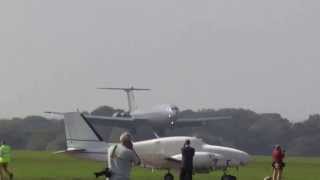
point(277, 156)
point(187, 161)
point(5, 159)
point(121, 157)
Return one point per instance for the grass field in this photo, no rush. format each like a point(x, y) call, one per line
point(29, 165)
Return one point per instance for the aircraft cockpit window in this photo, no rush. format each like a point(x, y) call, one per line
point(121, 114)
point(175, 108)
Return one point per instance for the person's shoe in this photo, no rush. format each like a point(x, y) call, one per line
point(96, 174)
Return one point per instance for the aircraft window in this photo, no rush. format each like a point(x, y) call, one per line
point(175, 108)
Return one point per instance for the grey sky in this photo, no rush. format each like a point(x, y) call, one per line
point(261, 55)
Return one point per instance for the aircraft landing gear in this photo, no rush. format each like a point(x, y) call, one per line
point(228, 177)
point(168, 176)
point(171, 124)
point(225, 176)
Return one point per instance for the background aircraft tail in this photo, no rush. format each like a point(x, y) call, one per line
point(130, 95)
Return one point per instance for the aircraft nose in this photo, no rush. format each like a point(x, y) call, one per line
point(245, 158)
point(173, 113)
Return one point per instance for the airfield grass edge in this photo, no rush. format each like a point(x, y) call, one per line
point(40, 165)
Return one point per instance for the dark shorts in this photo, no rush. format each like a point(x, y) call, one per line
point(278, 165)
point(4, 164)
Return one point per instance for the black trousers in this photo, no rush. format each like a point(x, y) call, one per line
point(185, 174)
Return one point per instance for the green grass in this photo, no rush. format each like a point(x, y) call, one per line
point(30, 165)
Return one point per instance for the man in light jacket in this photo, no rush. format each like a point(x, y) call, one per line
point(121, 158)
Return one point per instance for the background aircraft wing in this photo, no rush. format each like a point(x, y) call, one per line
point(122, 122)
point(192, 122)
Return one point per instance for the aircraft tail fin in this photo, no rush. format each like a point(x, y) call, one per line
point(80, 134)
point(130, 95)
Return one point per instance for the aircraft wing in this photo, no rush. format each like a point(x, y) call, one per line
point(122, 122)
point(178, 157)
point(192, 122)
point(173, 159)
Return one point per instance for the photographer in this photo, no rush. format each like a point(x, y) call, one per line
point(121, 157)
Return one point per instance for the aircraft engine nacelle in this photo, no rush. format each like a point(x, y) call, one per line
point(202, 161)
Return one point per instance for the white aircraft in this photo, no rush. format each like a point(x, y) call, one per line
point(162, 153)
point(158, 117)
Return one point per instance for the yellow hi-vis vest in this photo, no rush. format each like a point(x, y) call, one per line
point(5, 154)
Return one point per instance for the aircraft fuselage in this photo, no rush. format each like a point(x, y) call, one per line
point(155, 153)
point(158, 116)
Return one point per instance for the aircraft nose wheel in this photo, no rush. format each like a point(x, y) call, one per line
point(168, 176)
point(228, 177)
point(225, 176)
point(172, 124)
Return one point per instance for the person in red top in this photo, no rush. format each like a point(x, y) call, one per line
point(277, 156)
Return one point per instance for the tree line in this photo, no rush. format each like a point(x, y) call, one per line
point(249, 131)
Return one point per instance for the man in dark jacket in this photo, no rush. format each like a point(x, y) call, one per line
point(187, 161)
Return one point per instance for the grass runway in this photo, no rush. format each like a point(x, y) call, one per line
point(32, 165)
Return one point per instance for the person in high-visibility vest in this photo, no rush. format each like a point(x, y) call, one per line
point(5, 159)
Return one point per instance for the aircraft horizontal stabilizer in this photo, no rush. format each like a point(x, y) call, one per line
point(127, 89)
point(70, 151)
point(130, 95)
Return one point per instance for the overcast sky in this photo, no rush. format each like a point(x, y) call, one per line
point(261, 55)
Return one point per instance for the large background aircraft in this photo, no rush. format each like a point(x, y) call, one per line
point(164, 153)
point(158, 118)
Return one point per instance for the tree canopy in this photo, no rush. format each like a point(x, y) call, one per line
point(247, 130)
